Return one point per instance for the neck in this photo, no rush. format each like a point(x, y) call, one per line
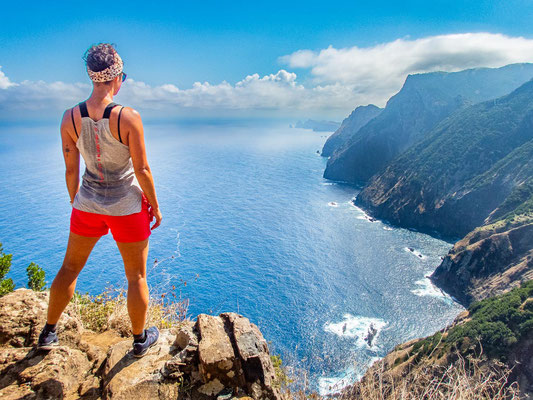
point(101, 94)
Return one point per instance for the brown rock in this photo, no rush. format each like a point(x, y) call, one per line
point(55, 374)
point(254, 356)
point(215, 350)
point(187, 335)
point(23, 315)
point(211, 388)
point(127, 377)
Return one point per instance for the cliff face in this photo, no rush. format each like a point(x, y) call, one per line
point(462, 171)
point(349, 128)
point(488, 261)
point(474, 170)
point(495, 257)
point(423, 101)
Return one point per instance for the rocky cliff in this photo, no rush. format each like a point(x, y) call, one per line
point(473, 176)
point(495, 257)
point(349, 127)
point(423, 102)
point(463, 170)
point(224, 357)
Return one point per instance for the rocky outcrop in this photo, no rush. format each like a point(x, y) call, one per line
point(424, 101)
point(349, 128)
point(222, 357)
point(489, 261)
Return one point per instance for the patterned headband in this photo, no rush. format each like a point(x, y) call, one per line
point(109, 73)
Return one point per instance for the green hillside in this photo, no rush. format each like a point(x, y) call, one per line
point(423, 102)
point(462, 171)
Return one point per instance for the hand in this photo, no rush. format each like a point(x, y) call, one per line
point(155, 213)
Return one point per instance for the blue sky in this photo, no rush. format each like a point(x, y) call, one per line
point(180, 43)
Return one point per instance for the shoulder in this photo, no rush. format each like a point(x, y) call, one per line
point(130, 117)
point(68, 116)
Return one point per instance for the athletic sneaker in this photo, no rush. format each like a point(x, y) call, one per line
point(141, 348)
point(47, 340)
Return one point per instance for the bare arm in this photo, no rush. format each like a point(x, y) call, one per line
point(140, 163)
point(71, 155)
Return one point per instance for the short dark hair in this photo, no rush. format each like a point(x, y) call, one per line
point(99, 56)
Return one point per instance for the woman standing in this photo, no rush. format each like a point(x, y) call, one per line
point(117, 193)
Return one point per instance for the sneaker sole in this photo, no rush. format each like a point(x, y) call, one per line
point(48, 346)
point(146, 351)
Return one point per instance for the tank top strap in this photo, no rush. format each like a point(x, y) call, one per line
point(107, 111)
point(109, 107)
point(83, 109)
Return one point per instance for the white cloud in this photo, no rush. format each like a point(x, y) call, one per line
point(4, 80)
point(341, 79)
point(277, 92)
point(379, 71)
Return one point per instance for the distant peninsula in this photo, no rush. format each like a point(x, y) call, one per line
point(317, 126)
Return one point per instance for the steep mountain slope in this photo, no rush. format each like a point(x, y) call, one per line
point(349, 128)
point(496, 256)
point(424, 101)
point(462, 171)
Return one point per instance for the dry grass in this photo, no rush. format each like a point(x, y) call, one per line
point(465, 379)
point(109, 310)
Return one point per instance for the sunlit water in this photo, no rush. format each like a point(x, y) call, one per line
point(249, 226)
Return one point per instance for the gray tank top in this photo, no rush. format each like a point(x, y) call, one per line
point(109, 185)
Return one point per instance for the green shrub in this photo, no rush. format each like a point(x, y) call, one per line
point(6, 285)
point(35, 277)
point(282, 379)
point(496, 324)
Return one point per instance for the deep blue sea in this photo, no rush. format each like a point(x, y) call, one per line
point(249, 225)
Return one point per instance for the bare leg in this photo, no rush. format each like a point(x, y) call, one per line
point(135, 255)
point(78, 250)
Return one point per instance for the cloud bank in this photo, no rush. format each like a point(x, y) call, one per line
point(379, 71)
point(340, 80)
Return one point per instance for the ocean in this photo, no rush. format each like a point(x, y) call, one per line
point(250, 226)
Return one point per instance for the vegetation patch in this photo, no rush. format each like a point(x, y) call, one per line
point(496, 324)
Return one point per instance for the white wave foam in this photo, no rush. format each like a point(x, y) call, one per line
point(415, 252)
point(427, 288)
point(359, 328)
point(388, 228)
point(329, 385)
point(363, 215)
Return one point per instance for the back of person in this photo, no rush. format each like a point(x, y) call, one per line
point(109, 184)
point(117, 194)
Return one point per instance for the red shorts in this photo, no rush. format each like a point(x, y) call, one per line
point(124, 228)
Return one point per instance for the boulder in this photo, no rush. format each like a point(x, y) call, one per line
point(187, 335)
point(23, 315)
point(217, 357)
point(253, 352)
point(59, 373)
point(126, 376)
